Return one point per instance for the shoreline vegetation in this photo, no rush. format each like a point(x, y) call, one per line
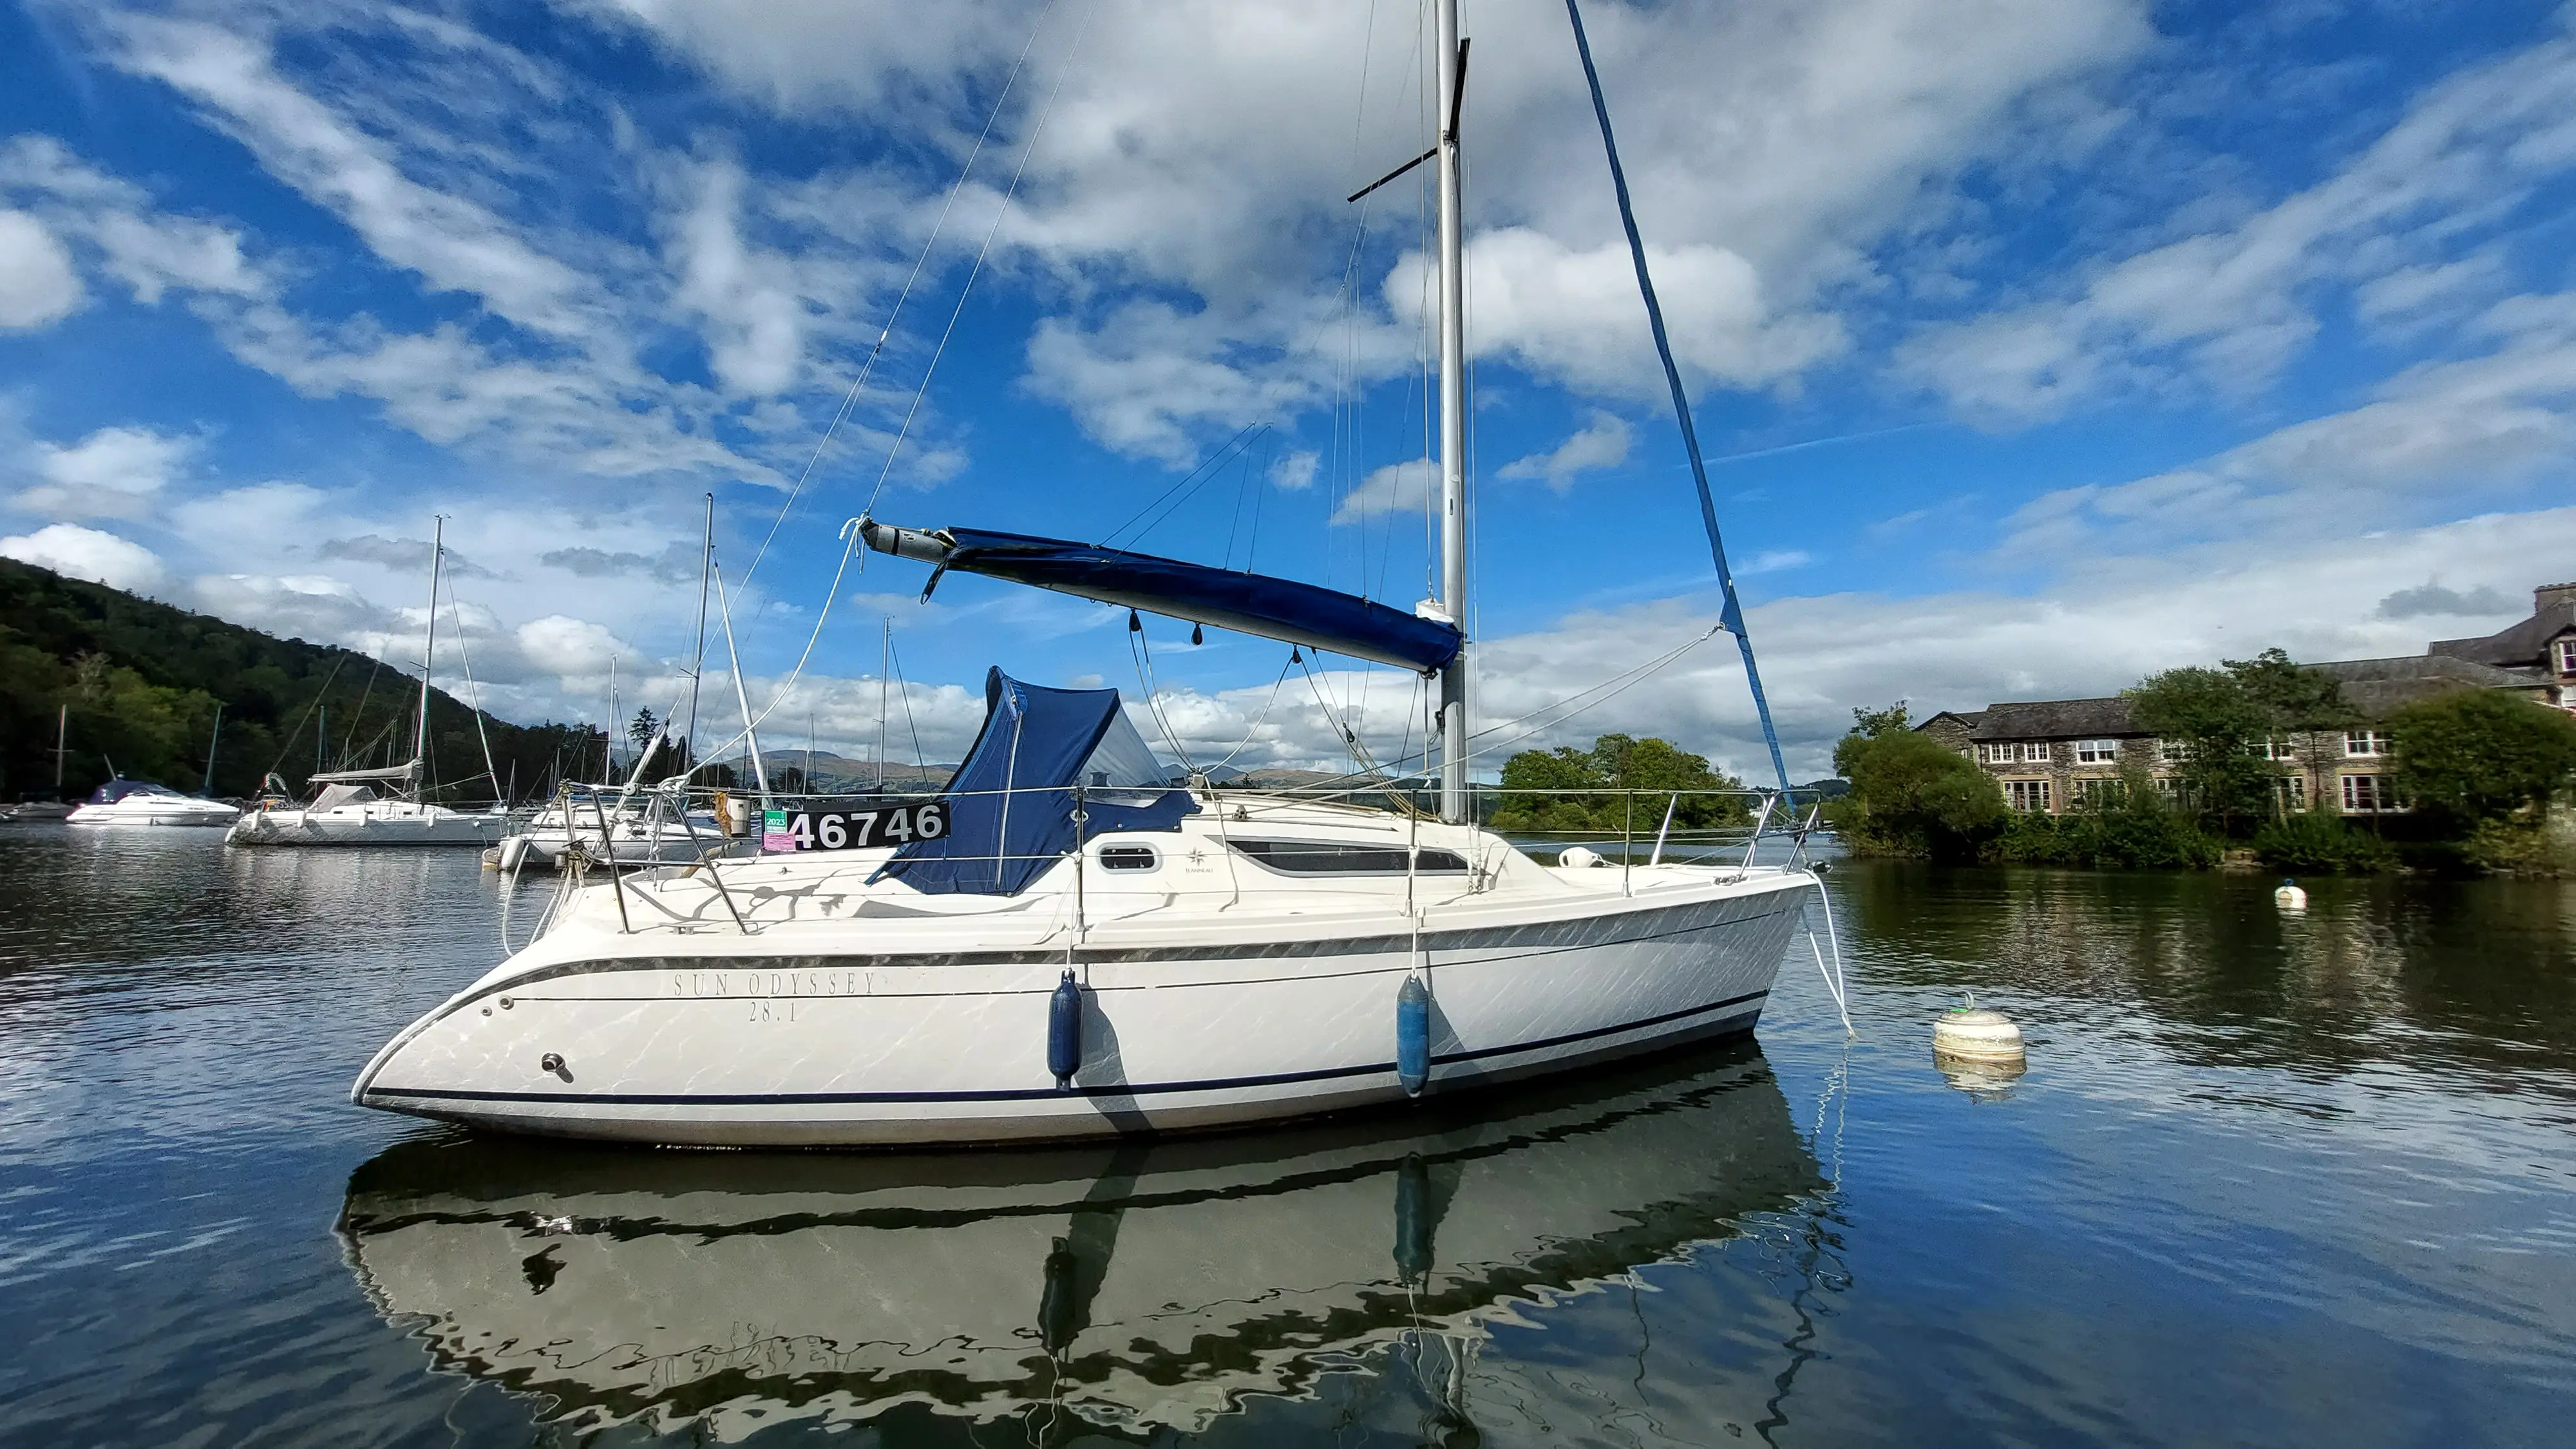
point(139, 682)
point(2487, 780)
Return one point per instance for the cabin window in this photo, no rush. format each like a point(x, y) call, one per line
point(1128, 857)
point(1317, 857)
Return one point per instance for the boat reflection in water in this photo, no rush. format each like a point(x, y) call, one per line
point(1131, 1286)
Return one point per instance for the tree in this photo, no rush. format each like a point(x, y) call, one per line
point(2479, 755)
point(1570, 790)
point(2219, 724)
point(2298, 701)
point(1911, 795)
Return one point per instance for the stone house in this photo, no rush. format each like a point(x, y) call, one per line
point(2052, 755)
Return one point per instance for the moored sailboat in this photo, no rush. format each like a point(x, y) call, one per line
point(1063, 945)
point(379, 806)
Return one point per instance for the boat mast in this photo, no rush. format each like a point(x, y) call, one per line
point(1454, 805)
point(885, 662)
point(63, 739)
point(698, 661)
point(428, 644)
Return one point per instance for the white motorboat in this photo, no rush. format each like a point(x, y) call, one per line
point(1063, 947)
point(146, 802)
point(348, 808)
point(1129, 1286)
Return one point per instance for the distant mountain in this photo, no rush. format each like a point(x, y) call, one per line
point(142, 680)
point(835, 774)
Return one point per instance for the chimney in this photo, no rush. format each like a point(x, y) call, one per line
point(2548, 594)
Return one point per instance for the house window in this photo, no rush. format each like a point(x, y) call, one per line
point(2567, 656)
point(2360, 743)
point(2172, 752)
point(1993, 754)
point(2171, 786)
point(2035, 754)
point(2097, 752)
point(2367, 795)
point(2291, 791)
point(2280, 750)
point(2029, 796)
point(2013, 754)
point(2094, 794)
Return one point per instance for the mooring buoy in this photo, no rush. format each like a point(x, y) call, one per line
point(1974, 1033)
point(2289, 897)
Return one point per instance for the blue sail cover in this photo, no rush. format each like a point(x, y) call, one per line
point(1249, 603)
point(1010, 805)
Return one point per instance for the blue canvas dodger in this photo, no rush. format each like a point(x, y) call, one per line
point(1010, 804)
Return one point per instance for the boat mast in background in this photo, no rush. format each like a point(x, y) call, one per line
point(62, 743)
point(428, 647)
point(1452, 603)
point(698, 660)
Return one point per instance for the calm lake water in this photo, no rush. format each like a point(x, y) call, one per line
point(2267, 1181)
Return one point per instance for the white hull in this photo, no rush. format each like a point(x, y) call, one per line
point(899, 1023)
point(377, 824)
point(1134, 1285)
point(202, 813)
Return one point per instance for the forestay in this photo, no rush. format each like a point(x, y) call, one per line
point(1011, 804)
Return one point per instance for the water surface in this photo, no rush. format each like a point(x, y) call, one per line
point(2268, 1180)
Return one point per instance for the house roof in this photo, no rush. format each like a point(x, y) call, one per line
point(2379, 687)
point(2057, 719)
point(1968, 717)
point(2526, 643)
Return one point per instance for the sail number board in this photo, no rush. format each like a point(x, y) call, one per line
point(857, 829)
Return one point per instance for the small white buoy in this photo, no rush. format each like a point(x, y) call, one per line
point(1578, 858)
point(2289, 897)
point(1973, 1033)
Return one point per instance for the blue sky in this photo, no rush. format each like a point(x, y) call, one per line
point(2041, 344)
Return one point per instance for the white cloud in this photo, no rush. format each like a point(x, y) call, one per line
point(453, 243)
point(2444, 431)
point(150, 251)
point(574, 649)
point(1397, 487)
point(1601, 443)
point(2227, 308)
point(744, 298)
point(37, 284)
point(112, 473)
point(86, 553)
point(1296, 470)
point(1776, 560)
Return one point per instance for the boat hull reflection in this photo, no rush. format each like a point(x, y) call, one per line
point(1138, 1284)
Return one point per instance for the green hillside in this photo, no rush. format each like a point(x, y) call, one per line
point(142, 680)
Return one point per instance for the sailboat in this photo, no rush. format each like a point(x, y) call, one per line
point(379, 806)
point(1142, 1286)
point(1063, 945)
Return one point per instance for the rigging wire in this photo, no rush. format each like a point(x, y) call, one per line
point(1045, 113)
point(1244, 437)
point(1262, 719)
point(868, 366)
point(850, 530)
point(894, 658)
point(1142, 650)
point(1733, 611)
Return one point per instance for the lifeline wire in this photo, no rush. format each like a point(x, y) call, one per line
point(1733, 612)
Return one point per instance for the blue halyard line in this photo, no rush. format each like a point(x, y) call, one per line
point(1732, 615)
